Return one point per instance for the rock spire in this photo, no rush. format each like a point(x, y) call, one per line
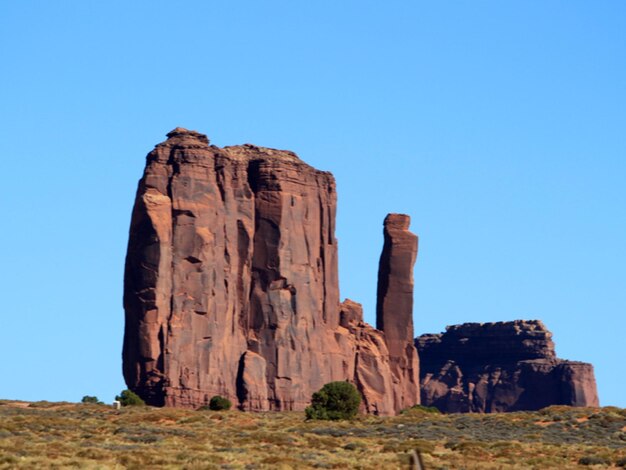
point(394, 307)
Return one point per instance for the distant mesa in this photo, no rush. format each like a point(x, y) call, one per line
point(503, 366)
point(231, 289)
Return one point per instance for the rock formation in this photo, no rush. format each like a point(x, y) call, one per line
point(504, 366)
point(231, 286)
point(394, 306)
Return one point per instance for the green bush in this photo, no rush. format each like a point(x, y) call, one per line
point(218, 403)
point(90, 399)
point(334, 401)
point(128, 398)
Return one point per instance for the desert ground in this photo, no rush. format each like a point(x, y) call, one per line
point(70, 435)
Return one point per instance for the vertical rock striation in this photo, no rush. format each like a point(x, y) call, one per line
point(231, 286)
point(394, 308)
point(503, 366)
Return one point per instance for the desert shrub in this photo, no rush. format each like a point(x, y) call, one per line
point(322, 442)
point(8, 459)
point(192, 419)
point(128, 398)
point(90, 399)
point(334, 401)
point(593, 460)
point(43, 404)
point(407, 445)
point(621, 462)
point(218, 403)
point(93, 454)
point(353, 446)
point(425, 409)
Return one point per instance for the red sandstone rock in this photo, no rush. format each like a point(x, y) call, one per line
point(504, 366)
point(372, 369)
point(231, 285)
point(394, 308)
point(252, 385)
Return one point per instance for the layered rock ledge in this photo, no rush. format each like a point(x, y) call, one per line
point(503, 366)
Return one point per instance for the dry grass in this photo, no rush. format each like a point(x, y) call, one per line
point(65, 435)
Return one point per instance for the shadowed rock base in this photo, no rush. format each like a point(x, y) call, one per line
point(504, 366)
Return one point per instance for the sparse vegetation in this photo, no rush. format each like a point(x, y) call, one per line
point(334, 401)
point(129, 398)
point(91, 400)
point(420, 408)
point(68, 435)
point(219, 403)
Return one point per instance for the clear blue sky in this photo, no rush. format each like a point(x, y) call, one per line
point(500, 127)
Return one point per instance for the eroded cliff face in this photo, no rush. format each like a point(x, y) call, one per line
point(503, 366)
point(231, 285)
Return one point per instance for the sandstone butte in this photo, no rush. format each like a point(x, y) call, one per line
point(503, 366)
point(231, 286)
